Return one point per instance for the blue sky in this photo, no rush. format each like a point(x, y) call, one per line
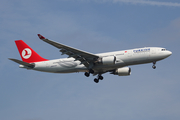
point(95, 26)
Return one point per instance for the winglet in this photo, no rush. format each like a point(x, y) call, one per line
point(41, 37)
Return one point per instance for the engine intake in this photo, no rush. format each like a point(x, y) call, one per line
point(122, 71)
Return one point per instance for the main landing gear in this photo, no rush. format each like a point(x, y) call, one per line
point(154, 65)
point(88, 73)
point(96, 80)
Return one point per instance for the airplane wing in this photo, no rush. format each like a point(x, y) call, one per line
point(86, 58)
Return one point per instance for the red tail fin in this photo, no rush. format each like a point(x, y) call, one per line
point(28, 54)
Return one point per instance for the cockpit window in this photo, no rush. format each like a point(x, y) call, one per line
point(163, 49)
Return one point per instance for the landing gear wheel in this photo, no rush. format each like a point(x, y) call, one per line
point(154, 63)
point(86, 74)
point(100, 77)
point(154, 67)
point(96, 80)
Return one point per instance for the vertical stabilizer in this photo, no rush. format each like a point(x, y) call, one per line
point(28, 54)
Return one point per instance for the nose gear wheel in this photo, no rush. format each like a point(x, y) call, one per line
point(154, 65)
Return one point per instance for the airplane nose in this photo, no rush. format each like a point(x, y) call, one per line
point(169, 53)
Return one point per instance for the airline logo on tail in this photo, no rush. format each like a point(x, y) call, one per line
point(26, 53)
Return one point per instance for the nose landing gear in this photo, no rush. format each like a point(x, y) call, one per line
point(154, 65)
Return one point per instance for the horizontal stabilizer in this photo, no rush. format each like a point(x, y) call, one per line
point(23, 63)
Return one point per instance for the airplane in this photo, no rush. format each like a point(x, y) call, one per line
point(115, 63)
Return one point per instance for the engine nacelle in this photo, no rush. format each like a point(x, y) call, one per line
point(122, 71)
point(110, 60)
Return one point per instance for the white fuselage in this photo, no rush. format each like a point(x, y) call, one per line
point(123, 58)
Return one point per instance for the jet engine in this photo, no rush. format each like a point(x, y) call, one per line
point(110, 60)
point(122, 71)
